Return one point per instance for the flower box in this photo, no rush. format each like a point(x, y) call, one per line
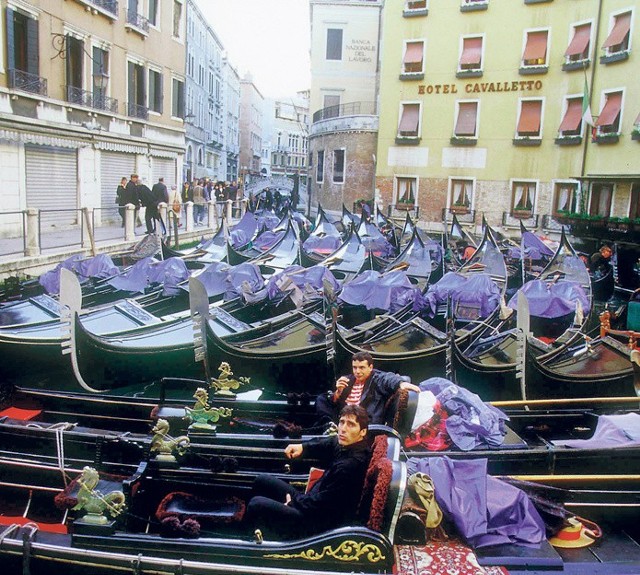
point(405, 207)
point(459, 209)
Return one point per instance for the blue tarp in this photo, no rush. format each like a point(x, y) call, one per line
point(479, 290)
point(611, 431)
point(244, 230)
point(389, 291)
point(374, 241)
point(214, 278)
point(147, 271)
point(306, 279)
point(322, 245)
point(99, 267)
point(552, 300)
point(267, 239)
point(245, 278)
point(471, 423)
point(485, 510)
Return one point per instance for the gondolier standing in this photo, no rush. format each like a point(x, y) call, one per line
point(367, 387)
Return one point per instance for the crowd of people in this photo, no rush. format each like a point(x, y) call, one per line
point(136, 192)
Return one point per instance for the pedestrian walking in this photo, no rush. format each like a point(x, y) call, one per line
point(121, 195)
point(198, 203)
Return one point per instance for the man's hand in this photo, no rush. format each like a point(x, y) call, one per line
point(340, 385)
point(287, 499)
point(293, 450)
point(409, 386)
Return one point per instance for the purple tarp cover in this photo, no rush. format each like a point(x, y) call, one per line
point(245, 278)
point(389, 291)
point(100, 266)
point(611, 431)
point(244, 230)
point(267, 239)
point(552, 300)
point(485, 510)
point(322, 244)
point(472, 422)
point(305, 279)
point(268, 220)
point(478, 290)
point(213, 278)
point(533, 247)
point(147, 271)
point(374, 241)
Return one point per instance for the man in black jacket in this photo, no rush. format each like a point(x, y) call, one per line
point(131, 196)
point(281, 510)
point(368, 387)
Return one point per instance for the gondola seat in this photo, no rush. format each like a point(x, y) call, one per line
point(206, 511)
point(633, 316)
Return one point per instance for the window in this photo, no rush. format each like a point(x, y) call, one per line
point(634, 204)
point(579, 47)
point(100, 73)
point(460, 195)
point(608, 121)
point(406, 190)
point(535, 50)
point(177, 98)
point(137, 90)
point(334, 44)
point(600, 200)
point(153, 12)
point(471, 5)
point(74, 59)
point(529, 120)
point(177, 19)
point(466, 121)
point(331, 106)
point(409, 124)
point(565, 197)
point(619, 37)
point(571, 124)
point(523, 196)
point(320, 167)
point(413, 60)
point(471, 55)
point(416, 5)
point(338, 166)
point(155, 91)
point(22, 48)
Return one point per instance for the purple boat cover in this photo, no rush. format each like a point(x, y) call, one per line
point(268, 220)
point(472, 422)
point(479, 290)
point(308, 280)
point(100, 266)
point(374, 241)
point(533, 247)
point(138, 277)
point(322, 244)
point(213, 278)
point(485, 510)
point(243, 278)
point(267, 239)
point(389, 291)
point(611, 431)
point(435, 251)
point(244, 230)
point(550, 301)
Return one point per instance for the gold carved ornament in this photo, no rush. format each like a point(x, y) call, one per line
point(346, 551)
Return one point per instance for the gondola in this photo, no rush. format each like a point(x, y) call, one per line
point(419, 348)
point(212, 250)
point(378, 246)
point(323, 240)
point(166, 348)
point(349, 259)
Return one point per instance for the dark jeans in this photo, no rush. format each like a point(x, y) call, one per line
point(151, 216)
point(326, 409)
point(122, 211)
point(267, 511)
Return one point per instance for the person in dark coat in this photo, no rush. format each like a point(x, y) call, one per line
point(150, 203)
point(280, 510)
point(131, 195)
point(268, 199)
point(160, 191)
point(600, 261)
point(367, 387)
point(121, 194)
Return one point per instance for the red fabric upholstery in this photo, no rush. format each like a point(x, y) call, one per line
point(19, 413)
point(188, 506)
point(48, 527)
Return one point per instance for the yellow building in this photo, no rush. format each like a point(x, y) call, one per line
point(90, 91)
point(481, 109)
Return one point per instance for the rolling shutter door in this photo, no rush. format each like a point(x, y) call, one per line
point(164, 168)
point(113, 167)
point(52, 183)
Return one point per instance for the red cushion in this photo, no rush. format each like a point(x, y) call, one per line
point(48, 527)
point(19, 413)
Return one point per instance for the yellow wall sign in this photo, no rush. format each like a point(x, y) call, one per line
point(481, 87)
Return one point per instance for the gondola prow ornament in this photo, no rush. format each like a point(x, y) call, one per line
point(202, 415)
point(164, 446)
point(95, 503)
point(225, 382)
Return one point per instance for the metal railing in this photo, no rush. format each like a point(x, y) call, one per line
point(350, 109)
point(137, 20)
point(513, 219)
point(110, 6)
point(464, 216)
point(91, 100)
point(21, 80)
point(550, 223)
point(137, 111)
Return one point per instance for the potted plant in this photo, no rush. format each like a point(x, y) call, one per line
point(459, 208)
point(405, 204)
point(522, 213)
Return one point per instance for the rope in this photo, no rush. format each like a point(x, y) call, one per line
point(60, 454)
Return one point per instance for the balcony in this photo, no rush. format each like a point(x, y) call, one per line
point(513, 219)
point(91, 100)
point(350, 109)
point(550, 224)
point(108, 8)
point(137, 111)
point(137, 22)
point(464, 214)
point(20, 80)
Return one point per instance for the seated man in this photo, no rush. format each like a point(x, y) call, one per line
point(600, 261)
point(279, 509)
point(368, 387)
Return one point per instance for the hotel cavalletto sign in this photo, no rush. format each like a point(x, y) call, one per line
point(481, 87)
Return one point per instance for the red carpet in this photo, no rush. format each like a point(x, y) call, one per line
point(438, 558)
